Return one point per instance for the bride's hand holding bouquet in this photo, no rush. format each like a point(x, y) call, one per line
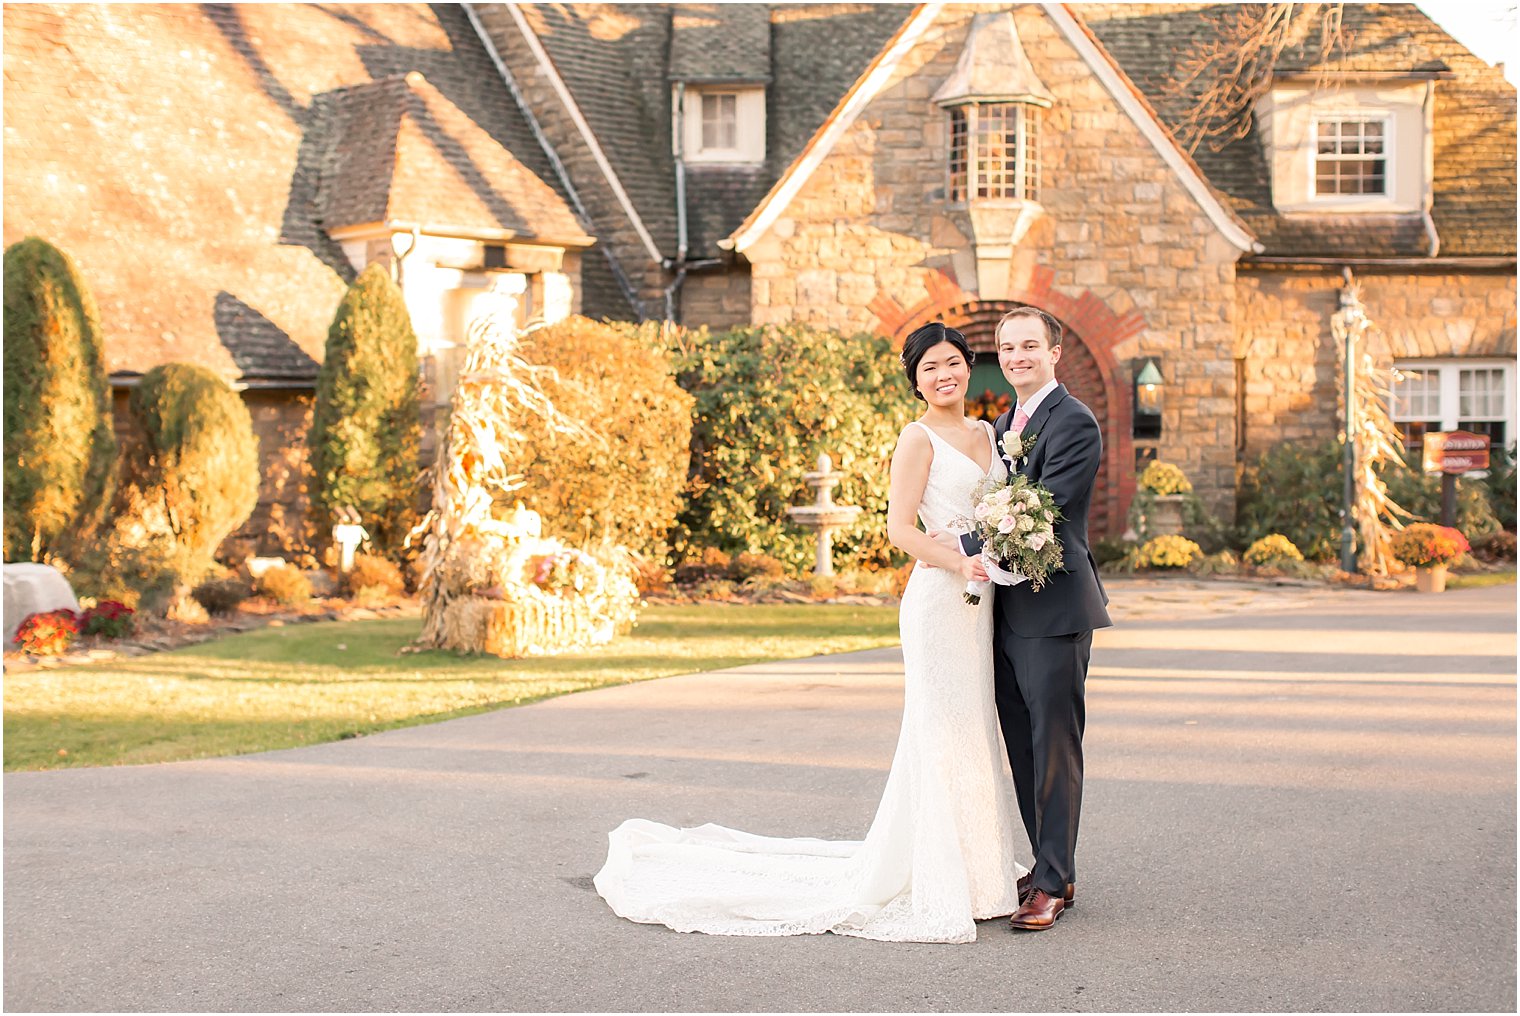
point(1015, 520)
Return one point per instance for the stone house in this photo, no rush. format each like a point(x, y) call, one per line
point(220, 173)
point(872, 167)
point(865, 167)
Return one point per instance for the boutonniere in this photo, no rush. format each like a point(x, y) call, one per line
point(1018, 446)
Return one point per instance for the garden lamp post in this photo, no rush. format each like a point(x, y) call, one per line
point(1350, 321)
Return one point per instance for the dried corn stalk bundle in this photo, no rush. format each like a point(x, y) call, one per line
point(1378, 442)
point(476, 568)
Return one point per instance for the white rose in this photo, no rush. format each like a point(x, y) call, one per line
point(1036, 541)
point(1003, 496)
point(1025, 523)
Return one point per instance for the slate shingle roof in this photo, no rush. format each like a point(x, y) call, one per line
point(176, 151)
point(618, 61)
point(400, 150)
point(1474, 185)
point(720, 42)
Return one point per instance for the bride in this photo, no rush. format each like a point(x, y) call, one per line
point(939, 854)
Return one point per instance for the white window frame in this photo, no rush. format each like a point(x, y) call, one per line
point(1390, 161)
point(1025, 171)
point(749, 126)
point(1449, 372)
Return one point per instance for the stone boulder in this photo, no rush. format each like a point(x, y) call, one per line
point(31, 589)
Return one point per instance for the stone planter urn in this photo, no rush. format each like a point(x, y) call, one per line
point(1431, 579)
point(1166, 518)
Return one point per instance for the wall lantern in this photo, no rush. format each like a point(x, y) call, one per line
point(1147, 425)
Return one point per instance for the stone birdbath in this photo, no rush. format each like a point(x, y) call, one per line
point(824, 516)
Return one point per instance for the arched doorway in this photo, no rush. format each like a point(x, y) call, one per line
point(1082, 375)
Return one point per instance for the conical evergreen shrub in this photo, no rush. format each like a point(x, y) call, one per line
point(190, 476)
point(60, 451)
point(366, 432)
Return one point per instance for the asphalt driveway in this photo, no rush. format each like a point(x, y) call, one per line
point(1298, 799)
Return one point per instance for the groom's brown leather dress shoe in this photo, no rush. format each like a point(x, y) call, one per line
point(1026, 883)
point(1038, 912)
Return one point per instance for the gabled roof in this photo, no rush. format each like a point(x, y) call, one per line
point(618, 61)
point(403, 153)
point(879, 73)
point(176, 151)
point(1474, 134)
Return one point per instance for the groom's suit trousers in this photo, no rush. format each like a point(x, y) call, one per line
point(1040, 685)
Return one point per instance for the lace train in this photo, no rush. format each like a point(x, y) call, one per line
point(939, 853)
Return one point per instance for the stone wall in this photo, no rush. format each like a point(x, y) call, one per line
point(1291, 358)
point(716, 299)
point(870, 242)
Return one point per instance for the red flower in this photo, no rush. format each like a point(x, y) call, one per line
point(49, 632)
point(110, 618)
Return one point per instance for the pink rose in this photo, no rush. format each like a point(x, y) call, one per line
point(1006, 524)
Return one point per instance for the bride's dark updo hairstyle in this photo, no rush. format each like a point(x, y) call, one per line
point(925, 339)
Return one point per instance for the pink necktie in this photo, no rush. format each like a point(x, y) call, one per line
point(1020, 421)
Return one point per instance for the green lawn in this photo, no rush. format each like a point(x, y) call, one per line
point(303, 684)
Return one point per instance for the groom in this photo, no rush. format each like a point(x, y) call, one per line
point(1044, 639)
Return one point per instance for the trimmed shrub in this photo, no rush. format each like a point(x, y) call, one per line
point(366, 431)
point(374, 579)
point(755, 566)
point(190, 477)
point(1271, 551)
point(284, 585)
point(1500, 486)
point(60, 450)
point(711, 564)
point(1294, 490)
point(629, 485)
point(221, 596)
point(1420, 494)
point(768, 402)
point(1496, 547)
point(110, 618)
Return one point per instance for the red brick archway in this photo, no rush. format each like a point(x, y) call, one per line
point(1088, 367)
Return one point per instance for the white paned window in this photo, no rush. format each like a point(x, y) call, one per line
point(725, 125)
point(994, 151)
point(1351, 155)
point(1472, 395)
point(720, 121)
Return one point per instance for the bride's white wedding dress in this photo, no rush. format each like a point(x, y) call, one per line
point(939, 854)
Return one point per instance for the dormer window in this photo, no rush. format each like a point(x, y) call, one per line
point(1356, 147)
point(1350, 155)
point(994, 151)
point(723, 124)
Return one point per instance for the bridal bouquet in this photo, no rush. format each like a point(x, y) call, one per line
point(1016, 519)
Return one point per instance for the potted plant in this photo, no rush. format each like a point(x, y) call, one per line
point(1168, 483)
point(1428, 549)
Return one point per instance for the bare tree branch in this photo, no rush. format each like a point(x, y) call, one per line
point(1223, 76)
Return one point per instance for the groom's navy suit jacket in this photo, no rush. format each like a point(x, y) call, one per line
point(1068, 450)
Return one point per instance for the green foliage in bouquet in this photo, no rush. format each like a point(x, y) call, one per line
point(190, 477)
point(768, 402)
point(629, 485)
point(366, 430)
point(60, 451)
